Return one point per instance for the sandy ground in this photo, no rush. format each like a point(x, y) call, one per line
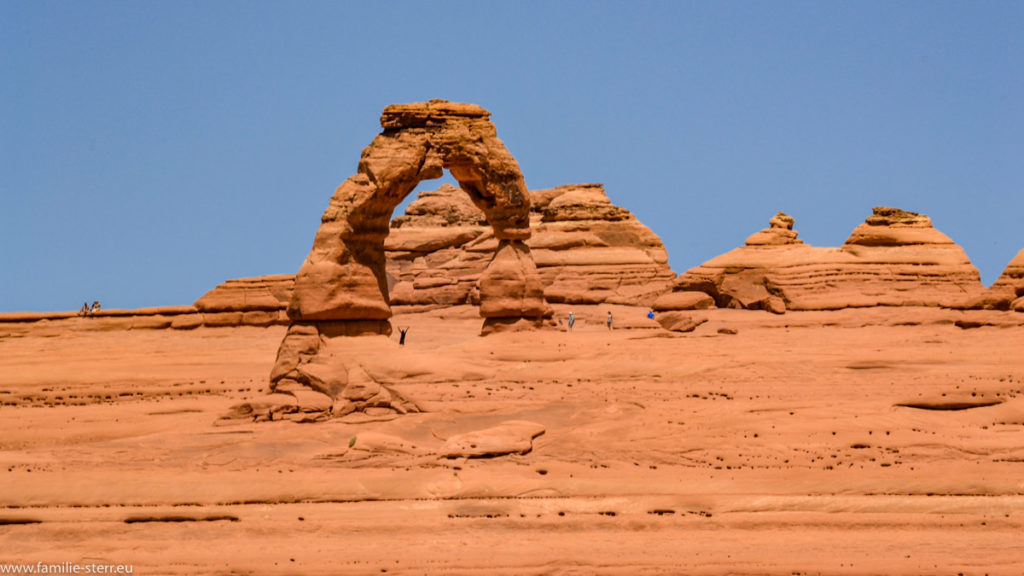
point(808, 443)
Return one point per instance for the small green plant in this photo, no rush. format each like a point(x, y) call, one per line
point(352, 442)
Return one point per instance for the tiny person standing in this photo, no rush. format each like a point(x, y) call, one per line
point(572, 320)
point(609, 320)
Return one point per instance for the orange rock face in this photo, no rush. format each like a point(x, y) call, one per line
point(438, 249)
point(344, 276)
point(779, 232)
point(895, 258)
point(586, 249)
point(862, 441)
point(342, 288)
point(247, 294)
point(1008, 290)
point(590, 251)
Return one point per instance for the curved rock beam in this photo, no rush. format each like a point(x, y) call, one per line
point(342, 289)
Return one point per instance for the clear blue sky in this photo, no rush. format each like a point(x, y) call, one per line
point(150, 150)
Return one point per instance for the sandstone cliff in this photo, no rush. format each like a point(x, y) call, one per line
point(587, 250)
point(590, 251)
point(245, 294)
point(895, 258)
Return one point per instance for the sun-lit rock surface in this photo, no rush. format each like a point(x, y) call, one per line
point(590, 251)
point(246, 294)
point(586, 249)
point(342, 289)
point(860, 441)
point(1007, 293)
point(895, 258)
point(344, 277)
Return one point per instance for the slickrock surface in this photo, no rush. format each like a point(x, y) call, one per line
point(895, 258)
point(866, 441)
point(586, 249)
point(153, 318)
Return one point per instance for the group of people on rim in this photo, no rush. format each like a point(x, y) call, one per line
point(85, 310)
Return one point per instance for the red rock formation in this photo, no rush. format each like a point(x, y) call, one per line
point(248, 294)
point(343, 278)
point(432, 252)
point(590, 251)
point(895, 258)
point(342, 288)
point(779, 232)
point(587, 250)
point(1008, 290)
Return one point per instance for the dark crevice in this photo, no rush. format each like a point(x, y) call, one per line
point(217, 518)
point(949, 406)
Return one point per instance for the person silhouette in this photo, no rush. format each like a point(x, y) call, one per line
point(401, 338)
point(609, 319)
point(572, 320)
point(95, 307)
point(84, 310)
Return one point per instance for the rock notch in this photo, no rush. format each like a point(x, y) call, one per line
point(342, 288)
point(1008, 290)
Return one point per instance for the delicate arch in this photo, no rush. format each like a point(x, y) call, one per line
point(343, 277)
point(342, 286)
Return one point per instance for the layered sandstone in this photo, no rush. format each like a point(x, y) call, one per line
point(895, 258)
point(249, 294)
point(433, 257)
point(788, 447)
point(778, 233)
point(1008, 290)
point(590, 251)
point(586, 249)
point(151, 318)
point(343, 278)
point(342, 289)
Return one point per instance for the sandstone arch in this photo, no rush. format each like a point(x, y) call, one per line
point(341, 288)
